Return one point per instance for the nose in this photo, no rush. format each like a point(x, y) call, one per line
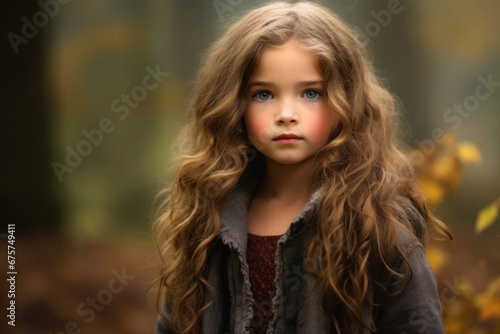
point(287, 115)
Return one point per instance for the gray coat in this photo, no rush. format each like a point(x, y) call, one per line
point(297, 305)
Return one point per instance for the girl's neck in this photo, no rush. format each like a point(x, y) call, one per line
point(287, 182)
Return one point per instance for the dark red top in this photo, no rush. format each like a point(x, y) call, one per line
point(261, 251)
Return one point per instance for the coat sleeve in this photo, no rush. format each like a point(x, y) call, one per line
point(417, 308)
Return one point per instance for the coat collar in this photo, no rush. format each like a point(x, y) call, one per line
point(234, 210)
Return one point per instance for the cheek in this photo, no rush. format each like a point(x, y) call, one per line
point(323, 126)
point(257, 128)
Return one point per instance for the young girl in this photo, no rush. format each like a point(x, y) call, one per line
point(292, 210)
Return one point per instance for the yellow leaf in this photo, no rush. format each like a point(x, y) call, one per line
point(436, 258)
point(444, 168)
point(433, 191)
point(488, 302)
point(492, 311)
point(487, 216)
point(469, 153)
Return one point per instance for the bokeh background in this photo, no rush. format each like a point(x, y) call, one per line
point(83, 208)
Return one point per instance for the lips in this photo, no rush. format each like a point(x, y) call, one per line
point(287, 138)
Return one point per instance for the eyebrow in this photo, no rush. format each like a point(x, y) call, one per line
point(301, 84)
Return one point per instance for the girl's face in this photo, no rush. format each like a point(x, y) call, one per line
point(286, 114)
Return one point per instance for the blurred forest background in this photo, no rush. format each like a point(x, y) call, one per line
point(81, 160)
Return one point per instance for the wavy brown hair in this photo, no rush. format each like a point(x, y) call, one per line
point(364, 173)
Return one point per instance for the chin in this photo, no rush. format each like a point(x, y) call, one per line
point(288, 160)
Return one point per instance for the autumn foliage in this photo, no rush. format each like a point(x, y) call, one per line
point(467, 309)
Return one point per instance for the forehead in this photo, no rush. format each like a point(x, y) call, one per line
point(285, 63)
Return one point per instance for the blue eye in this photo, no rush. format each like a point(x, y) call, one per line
point(312, 94)
point(262, 95)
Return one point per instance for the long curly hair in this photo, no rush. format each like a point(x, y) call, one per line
point(362, 168)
